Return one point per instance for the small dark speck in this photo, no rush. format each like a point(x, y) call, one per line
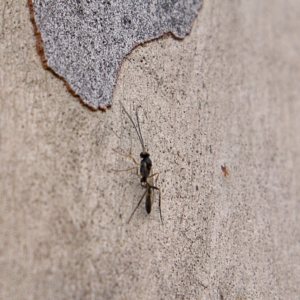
point(197, 188)
point(126, 21)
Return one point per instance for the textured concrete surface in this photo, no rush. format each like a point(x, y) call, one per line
point(228, 95)
point(84, 42)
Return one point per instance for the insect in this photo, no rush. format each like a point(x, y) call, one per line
point(225, 170)
point(145, 167)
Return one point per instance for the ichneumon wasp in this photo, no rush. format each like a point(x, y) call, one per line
point(145, 168)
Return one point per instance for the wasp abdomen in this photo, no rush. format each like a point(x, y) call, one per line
point(148, 204)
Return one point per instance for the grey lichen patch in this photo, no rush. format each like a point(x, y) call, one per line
point(84, 41)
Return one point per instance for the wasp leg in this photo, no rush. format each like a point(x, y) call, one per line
point(155, 174)
point(126, 170)
point(137, 207)
point(159, 198)
point(127, 155)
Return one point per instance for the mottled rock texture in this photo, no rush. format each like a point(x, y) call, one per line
point(226, 95)
point(85, 41)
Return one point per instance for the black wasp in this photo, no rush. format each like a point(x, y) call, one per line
point(145, 169)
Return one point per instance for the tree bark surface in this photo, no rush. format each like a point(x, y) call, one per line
point(220, 117)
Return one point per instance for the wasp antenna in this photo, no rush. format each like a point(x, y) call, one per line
point(137, 131)
point(139, 128)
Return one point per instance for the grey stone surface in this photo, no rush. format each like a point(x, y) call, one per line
point(85, 41)
point(226, 94)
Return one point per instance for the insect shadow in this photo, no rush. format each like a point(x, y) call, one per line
point(145, 168)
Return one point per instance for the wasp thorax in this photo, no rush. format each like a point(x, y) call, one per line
point(144, 155)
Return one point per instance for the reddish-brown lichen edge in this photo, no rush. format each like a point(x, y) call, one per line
point(163, 36)
point(41, 53)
